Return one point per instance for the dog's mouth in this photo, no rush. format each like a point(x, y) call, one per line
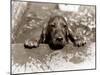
point(56, 45)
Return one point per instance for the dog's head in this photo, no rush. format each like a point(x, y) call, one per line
point(56, 32)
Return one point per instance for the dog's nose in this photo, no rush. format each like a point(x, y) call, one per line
point(59, 38)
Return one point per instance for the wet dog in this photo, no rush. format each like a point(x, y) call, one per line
point(56, 34)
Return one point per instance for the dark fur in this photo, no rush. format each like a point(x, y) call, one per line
point(56, 34)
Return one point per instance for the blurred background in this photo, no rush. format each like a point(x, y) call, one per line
point(29, 18)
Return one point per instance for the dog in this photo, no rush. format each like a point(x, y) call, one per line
point(56, 34)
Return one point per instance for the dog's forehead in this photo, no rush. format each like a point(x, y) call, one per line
point(58, 19)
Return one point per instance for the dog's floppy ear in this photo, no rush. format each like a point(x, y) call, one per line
point(43, 34)
point(67, 26)
point(69, 33)
point(68, 30)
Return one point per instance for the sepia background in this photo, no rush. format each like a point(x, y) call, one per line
point(27, 21)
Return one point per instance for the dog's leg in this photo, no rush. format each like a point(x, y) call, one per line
point(31, 43)
point(77, 40)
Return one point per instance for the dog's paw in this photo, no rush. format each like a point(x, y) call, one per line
point(31, 44)
point(80, 42)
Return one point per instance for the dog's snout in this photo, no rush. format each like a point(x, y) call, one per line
point(59, 39)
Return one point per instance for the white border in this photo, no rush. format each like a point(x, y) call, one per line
point(5, 36)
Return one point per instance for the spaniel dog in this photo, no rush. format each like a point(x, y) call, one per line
point(56, 34)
